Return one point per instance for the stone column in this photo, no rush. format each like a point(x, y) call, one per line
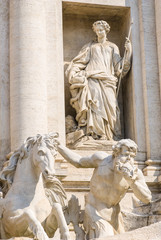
point(4, 80)
point(151, 85)
point(28, 91)
point(137, 91)
point(55, 84)
point(55, 76)
point(158, 34)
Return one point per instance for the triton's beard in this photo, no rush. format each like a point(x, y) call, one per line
point(127, 168)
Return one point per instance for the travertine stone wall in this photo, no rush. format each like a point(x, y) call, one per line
point(152, 100)
point(4, 80)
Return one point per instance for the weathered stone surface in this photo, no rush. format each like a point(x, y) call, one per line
point(152, 232)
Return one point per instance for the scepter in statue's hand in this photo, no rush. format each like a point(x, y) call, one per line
point(124, 57)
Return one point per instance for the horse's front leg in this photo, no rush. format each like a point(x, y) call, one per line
point(34, 225)
point(58, 212)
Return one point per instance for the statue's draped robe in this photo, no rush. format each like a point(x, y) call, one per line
point(93, 75)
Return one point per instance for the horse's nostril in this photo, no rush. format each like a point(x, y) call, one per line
point(46, 172)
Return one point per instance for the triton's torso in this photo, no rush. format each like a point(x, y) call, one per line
point(108, 186)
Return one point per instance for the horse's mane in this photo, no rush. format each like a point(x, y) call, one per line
point(7, 174)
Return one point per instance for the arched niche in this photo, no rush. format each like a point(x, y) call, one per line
point(77, 31)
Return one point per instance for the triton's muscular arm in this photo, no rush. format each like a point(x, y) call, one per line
point(79, 161)
point(139, 187)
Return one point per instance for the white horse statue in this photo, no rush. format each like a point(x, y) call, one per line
point(33, 205)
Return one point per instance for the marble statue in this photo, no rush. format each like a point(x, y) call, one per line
point(33, 206)
point(112, 177)
point(93, 75)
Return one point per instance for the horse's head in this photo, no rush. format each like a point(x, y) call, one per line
point(44, 152)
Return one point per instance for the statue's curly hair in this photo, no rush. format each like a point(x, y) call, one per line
point(124, 142)
point(102, 23)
